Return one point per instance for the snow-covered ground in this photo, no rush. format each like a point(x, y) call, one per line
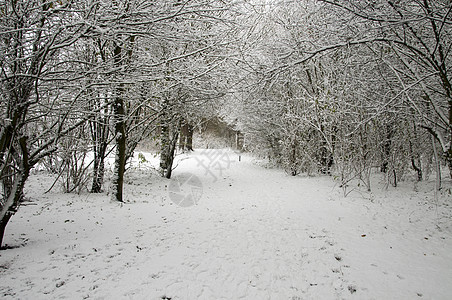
point(229, 229)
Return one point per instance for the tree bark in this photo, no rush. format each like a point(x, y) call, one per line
point(164, 140)
point(437, 165)
point(186, 137)
point(386, 153)
point(189, 144)
point(239, 140)
point(99, 136)
point(13, 200)
point(121, 147)
point(168, 137)
point(120, 136)
point(183, 136)
point(98, 170)
point(3, 222)
point(169, 167)
point(14, 189)
point(293, 158)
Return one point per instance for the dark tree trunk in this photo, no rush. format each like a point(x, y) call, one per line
point(169, 137)
point(169, 166)
point(99, 136)
point(417, 169)
point(121, 150)
point(13, 186)
point(333, 146)
point(416, 163)
point(415, 157)
point(98, 170)
point(120, 136)
point(7, 184)
point(164, 143)
point(394, 173)
point(183, 136)
point(189, 144)
point(96, 187)
point(3, 224)
point(186, 137)
point(293, 158)
point(449, 159)
point(386, 149)
point(13, 201)
point(437, 164)
point(326, 160)
point(239, 139)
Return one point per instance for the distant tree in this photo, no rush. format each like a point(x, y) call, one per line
point(343, 86)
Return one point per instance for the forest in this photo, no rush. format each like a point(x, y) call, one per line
point(319, 87)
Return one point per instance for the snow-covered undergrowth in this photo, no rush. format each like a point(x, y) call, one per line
point(254, 233)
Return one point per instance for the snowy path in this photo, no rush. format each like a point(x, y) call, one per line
point(255, 234)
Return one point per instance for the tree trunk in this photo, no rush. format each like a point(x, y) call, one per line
point(13, 200)
point(189, 144)
point(293, 158)
point(13, 181)
point(183, 136)
point(186, 137)
point(239, 139)
point(416, 168)
point(96, 186)
point(164, 143)
point(121, 150)
point(437, 164)
point(168, 139)
point(99, 136)
point(326, 159)
point(415, 157)
point(449, 157)
point(100, 150)
point(394, 173)
point(15, 188)
point(386, 149)
point(120, 137)
point(98, 170)
point(416, 162)
point(169, 166)
point(3, 224)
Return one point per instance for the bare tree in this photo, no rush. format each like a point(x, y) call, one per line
point(418, 34)
point(33, 39)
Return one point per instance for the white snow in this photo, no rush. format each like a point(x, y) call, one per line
point(255, 233)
